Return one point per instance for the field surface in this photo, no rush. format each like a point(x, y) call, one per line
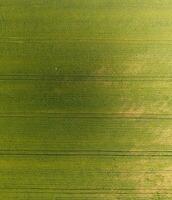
point(85, 99)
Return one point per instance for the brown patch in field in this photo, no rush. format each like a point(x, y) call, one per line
point(133, 112)
point(155, 183)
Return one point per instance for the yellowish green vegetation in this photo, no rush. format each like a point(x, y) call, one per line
point(85, 99)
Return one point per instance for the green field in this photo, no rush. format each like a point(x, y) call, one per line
point(85, 99)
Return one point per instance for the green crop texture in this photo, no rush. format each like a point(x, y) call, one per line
point(85, 99)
